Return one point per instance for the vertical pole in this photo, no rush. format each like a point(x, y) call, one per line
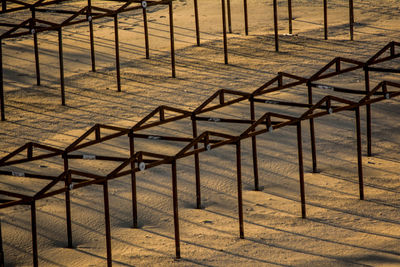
point(239, 187)
point(4, 5)
point(97, 133)
point(228, 6)
point(254, 148)
point(133, 180)
point(92, 54)
point(176, 215)
point(171, 32)
point(117, 53)
point(351, 10)
point(246, 22)
point(107, 222)
point(196, 165)
point(301, 170)
point(146, 32)
point(290, 16)
point(68, 200)
point(359, 155)
point(325, 19)
point(1, 249)
point(368, 109)
point(224, 31)
point(61, 60)
point(276, 25)
point(196, 17)
point(34, 234)
point(312, 132)
point(3, 115)
point(29, 151)
point(36, 46)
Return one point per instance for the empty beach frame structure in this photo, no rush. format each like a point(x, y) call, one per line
point(82, 14)
point(69, 178)
point(31, 25)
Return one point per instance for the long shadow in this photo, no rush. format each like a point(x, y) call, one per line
point(307, 236)
point(218, 250)
point(24, 252)
point(325, 222)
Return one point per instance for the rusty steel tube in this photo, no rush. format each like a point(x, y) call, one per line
point(176, 215)
point(196, 17)
point(224, 32)
point(107, 223)
point(133, 181)
point(290, 16)
point(2, 109)
point(276, 25)
point(239, 189)
point(36, 47)
point(91, 35)
point(312, 133)
point(34, 235)
point(301, 170)
point(325, 20)
point(61, 62)
point(146, 33)
point(68, 201)
point(254, 148)
point(197, 166)
point(359, 155)
point(172, 41)
point(117, 63)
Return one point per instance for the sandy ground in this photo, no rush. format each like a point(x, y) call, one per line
point(340, 229)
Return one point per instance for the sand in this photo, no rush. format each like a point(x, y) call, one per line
point(340, 230)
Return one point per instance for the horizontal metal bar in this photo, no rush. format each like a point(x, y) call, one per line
point(383, 70)
point(337, 89)
point(214, 119)
point(95, 157)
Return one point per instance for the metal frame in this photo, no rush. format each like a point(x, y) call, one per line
point(32, 26)
point(137, 161)
point(89, 13)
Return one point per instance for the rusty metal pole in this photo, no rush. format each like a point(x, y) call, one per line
point(239, 188)
point(351, 10)
point(359, 155)
point(224, 32)
point(3, 115)
point(92, 53)
point(34, 234)
point(1, 249)
point(107, 223)
point(290, 15)
point(368, 110)
point(325, 19)
point(133, 180)
point(228, 6)
point(254, 147)
point(117, 64)
point(176, 215)
point(68, 200)
point(61, 61)
point(196, 166)
point(171, 33)
point(312, 132)
point(246, 22)
point(146, 31)
point(276, 25)
point(36, 46)
point(301, 170)
point(196, 17)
